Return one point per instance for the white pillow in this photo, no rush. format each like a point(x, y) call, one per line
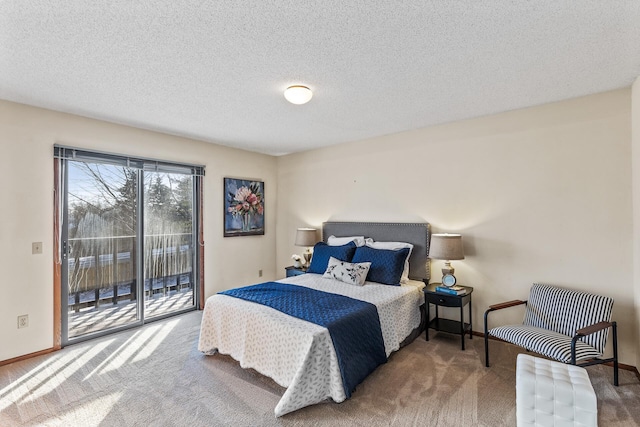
point(395, 246)
point(353, 274)
point(339, 241)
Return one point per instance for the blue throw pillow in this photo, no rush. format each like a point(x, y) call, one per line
point(386, 265)
point(322, 252)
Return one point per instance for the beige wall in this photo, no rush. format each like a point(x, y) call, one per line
point(635, 142)
point(27, 136)
point(540, 194)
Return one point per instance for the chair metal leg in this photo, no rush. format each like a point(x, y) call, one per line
point(596, 361)
point(614, 328)
point(486, 340)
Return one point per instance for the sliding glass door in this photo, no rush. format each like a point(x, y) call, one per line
point(168, 243)
point(101, 247)
point(129, 247)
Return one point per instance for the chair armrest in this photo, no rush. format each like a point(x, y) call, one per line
point(506, 305)
point(491, 308)
point(588, 330)
point(500, 306)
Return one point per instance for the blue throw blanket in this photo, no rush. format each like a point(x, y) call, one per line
point(353, 324)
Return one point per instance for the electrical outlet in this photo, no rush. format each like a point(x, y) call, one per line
point(23, 321)
point(36, 248)
point(259, 273)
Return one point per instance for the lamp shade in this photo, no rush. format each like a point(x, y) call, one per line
point(306, 237)
point(446, 246)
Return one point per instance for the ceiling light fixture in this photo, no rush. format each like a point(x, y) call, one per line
point(298, 94)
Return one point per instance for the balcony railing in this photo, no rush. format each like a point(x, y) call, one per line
point(102, 269)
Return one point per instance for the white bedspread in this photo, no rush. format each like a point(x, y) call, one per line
point(297, 354)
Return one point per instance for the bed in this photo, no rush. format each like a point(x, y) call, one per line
point(300, 355)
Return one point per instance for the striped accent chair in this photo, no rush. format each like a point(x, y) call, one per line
point(562, 324)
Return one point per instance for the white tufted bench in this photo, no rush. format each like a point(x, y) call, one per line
point(551, 393)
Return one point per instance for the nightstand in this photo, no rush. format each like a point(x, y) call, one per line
point(295, 271)
point(431, 296)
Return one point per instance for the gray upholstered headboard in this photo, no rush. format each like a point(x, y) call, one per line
point(418, 234)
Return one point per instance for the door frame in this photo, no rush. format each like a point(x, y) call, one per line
point(60, 275)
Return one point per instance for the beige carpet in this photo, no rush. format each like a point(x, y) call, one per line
point(155, 376)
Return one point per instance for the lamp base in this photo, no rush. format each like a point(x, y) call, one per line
point(307, 258)
point(447, 269)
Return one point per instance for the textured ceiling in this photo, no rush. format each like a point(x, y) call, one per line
point(216, 70)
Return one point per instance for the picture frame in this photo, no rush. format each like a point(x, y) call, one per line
point(244, 207)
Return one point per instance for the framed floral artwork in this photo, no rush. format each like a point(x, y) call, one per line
point(243, 207)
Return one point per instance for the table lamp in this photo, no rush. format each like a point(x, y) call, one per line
point(446, 247)
point(306, 237)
